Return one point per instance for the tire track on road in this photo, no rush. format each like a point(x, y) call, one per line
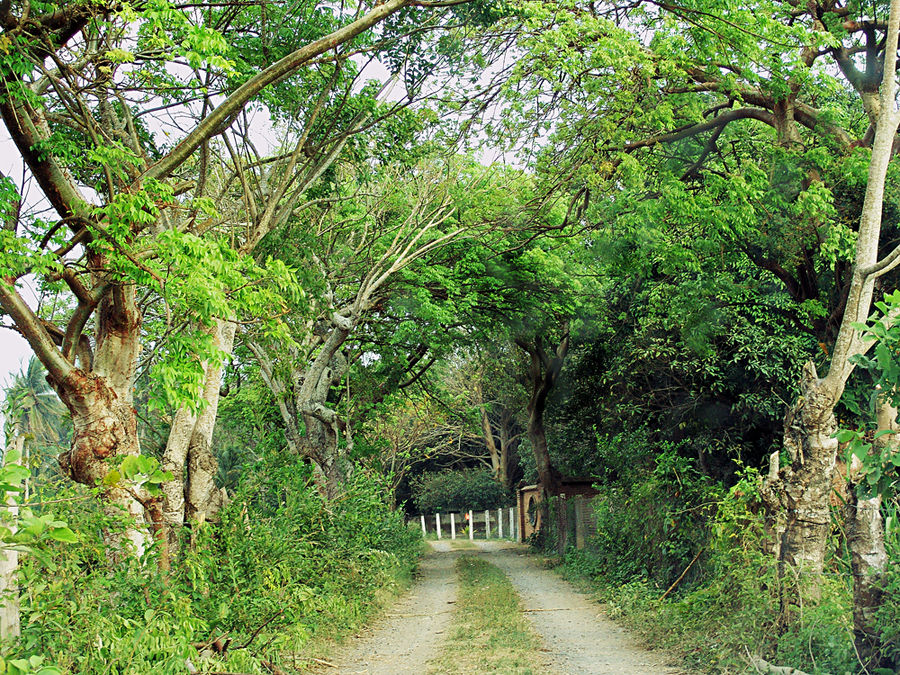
point(580, 640)
point(413, 630)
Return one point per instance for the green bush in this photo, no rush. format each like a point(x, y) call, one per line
point(651, 528)
point(283, 561)
point(732, 607)
point(458, 491)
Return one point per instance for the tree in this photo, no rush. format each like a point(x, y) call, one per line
point(481, 404)
point(401, 433)
point(79, 86)
point(34, 412)
point(796, 494)
point(546, 362)
point(730, 126)
point(363, 239)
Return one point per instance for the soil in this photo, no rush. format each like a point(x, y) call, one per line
point(412, 631)
point(578, 639)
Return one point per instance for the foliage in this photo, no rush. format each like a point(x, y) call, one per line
point(728, 609)
point(888, 615)
point(31, 408)
point(880, 462)
point(458, 490)
point(327, 567)
point(650, 524)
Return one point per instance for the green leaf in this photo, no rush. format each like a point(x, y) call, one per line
point(131, 466)
point(63, 534)
point(846, 435)
point(112, 478)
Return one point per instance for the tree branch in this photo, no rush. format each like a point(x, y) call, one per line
point(211, 125)
point(694, 129)
point(31, 328)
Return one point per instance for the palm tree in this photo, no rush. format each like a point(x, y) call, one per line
point(33, 410)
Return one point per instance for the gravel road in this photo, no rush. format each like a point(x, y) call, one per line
point(578, 639)
point(413, 630)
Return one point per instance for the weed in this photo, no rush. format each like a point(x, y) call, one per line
point(282, 571)
point(490, 634)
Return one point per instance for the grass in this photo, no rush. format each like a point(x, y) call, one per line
point(490, 634)
point(716, 625)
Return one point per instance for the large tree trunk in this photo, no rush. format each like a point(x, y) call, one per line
point(192, 493)
point(324, 427)
point(305, 398)
point(543, 372)
point(204, 499)
point(868, 557)
point(797, 496)
point(104, 420)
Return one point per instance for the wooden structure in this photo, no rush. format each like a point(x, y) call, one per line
point(574, 510)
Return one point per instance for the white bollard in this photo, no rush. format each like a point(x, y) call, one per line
point(424, 530)
point(487, 524)
point(453, 526)
point(437, 520)
point(512, 524)
point(499, 523)
point(471, 527)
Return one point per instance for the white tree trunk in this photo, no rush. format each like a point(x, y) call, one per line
point(192, 493)
point(797, 496)
point(204, 499)
point(865, 539)
point(9, 566)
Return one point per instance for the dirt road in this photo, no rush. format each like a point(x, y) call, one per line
point(413, 630)
point(581, 640)
point(578, 639)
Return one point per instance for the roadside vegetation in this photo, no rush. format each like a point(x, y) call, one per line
point(277, 295)
point(724, 615)
point(281, 574)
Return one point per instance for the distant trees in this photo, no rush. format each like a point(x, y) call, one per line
point(32, 409)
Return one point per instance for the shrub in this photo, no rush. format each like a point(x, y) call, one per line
point(650, 526)
point(458, 491)
point(732, 608)
point(283, 561)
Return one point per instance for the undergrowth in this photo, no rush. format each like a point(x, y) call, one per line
point(727, 610)
point(282, 570)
